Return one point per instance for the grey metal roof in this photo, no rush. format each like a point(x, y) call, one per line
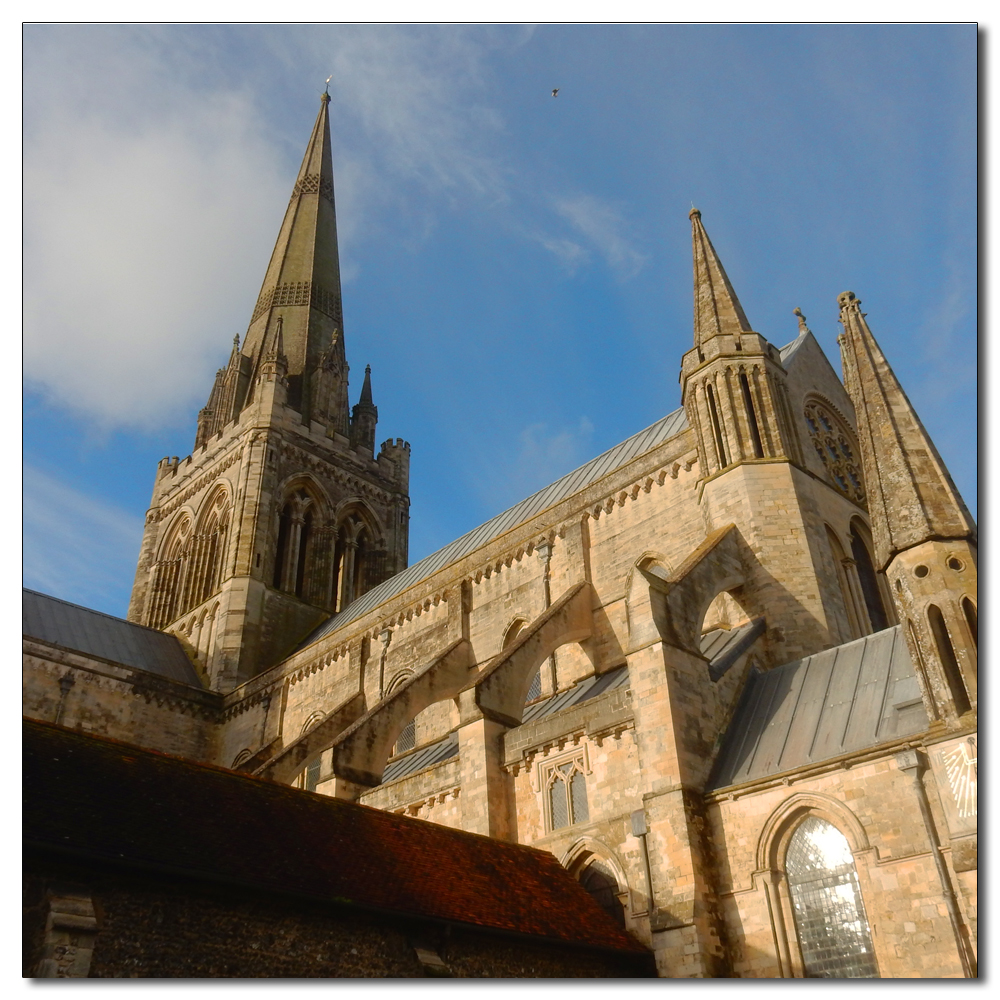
point(97, 634)
point(790, 349)
point(847, 698)
point(426, 756)
point(664, 429)
point(444, 749)
point(581, 691)
point(723, 647)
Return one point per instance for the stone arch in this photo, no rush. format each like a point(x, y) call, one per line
point(398, 680)
point(208, 545)
point(511, 631)
point(771, 854)
point(587, 858)
point(361, 751)
point(674, 609)
point(502, 688)
point(241, 758)
point(773, 840)
point(313, 719)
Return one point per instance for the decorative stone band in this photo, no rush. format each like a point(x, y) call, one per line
point(299, 293)
point(313, 184)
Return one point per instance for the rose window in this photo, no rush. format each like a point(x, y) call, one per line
point(832, 442)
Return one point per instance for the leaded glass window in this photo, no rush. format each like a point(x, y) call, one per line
point(407, 739)
point(833, 444)
point(829, 913)
point(566, 788)
point(535, 691)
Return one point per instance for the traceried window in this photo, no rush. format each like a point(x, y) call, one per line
point(566, 792)
point(829, 913)
point(836, 449)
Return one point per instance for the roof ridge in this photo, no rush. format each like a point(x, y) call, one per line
point(323, 628)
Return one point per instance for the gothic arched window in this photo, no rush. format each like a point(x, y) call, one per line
point(861, 550)
point(359, 560)
point(293, 553)
point(834, 444)
point(169, 573)
point(946, 654)
point(830, 920)
point(566, 792)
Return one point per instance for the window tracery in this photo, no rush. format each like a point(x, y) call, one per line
point(835, 446)
point(564, 784)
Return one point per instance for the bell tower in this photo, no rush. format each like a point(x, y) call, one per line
point(284, 513)
point(924, 537)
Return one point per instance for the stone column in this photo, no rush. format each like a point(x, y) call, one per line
point(487, 789)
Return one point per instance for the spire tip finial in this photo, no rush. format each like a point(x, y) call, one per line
point(802, 320)
point(325, 96)
point(695, 213)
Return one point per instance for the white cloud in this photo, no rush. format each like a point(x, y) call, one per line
point(76, 547)
point(605, 228)
point(144, 221)
point(153, 197)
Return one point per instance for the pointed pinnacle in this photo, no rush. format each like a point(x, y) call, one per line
point(366, 388)
point(717, 310)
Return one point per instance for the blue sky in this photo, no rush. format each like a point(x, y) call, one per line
point(516, 267)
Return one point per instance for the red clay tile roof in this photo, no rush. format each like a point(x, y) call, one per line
point(116, 803)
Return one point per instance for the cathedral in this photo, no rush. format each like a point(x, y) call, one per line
point(724, 673)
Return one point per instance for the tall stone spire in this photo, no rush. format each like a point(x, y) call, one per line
point(717, 310)
point(923, 534)
point(911, 496)
point(302, 283)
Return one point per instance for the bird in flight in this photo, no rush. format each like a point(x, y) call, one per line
point(555, 91)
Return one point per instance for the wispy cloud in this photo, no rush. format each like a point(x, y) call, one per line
point(543, 454)
point(940, 339)
point(76, 547)
point(606, 230)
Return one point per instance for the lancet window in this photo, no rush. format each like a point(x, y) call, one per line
point(871, 586)
point(359, 559)
point(296, 543)
point(835, 446)
point(190, 567)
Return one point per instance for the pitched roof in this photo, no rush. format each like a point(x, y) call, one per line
point(846, 698)
point(664, 429)
point(97, 634)
point(113, 803)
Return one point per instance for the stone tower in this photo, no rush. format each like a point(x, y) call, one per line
point(753, 472)
point(283, 513)
point(924, 537)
